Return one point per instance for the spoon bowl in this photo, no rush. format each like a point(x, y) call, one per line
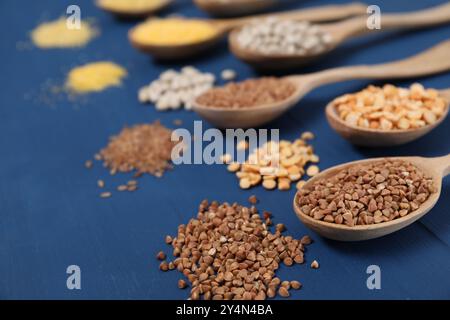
point(380, 138)
point(431, 61)
point(234, 8)
point(248, 117)
point(134, 13)
point(279, 61)
point(339, 33)
point(178, 51)
point(435, 168)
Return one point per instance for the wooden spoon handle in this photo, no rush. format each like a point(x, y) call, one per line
point(417, 19)
point(441, 163)
point(431, 61)
point(422, 18)
point(316, 14)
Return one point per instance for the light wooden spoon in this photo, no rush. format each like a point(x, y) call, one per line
point(380, 138)
point(233, 8)
point(435, 168)
point(340, 32)
point(223, 26)
point(133, 13)
point(431, 61)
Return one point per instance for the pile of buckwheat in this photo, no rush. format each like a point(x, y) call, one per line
point(248, 93)
point(277, 164)
point(367, 193)
point(391, 108)
point(275, 36)
point(227, 252)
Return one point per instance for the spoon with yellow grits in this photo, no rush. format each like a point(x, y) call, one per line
point(228, 8)
point(174, 38)
point(133, 8)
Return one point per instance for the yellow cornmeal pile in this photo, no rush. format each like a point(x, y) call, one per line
point(56, 34)
point(129, 5)
point(277, 164)
point(173, 31)
point(94, 77)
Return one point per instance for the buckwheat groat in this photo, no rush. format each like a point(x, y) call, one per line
point(227, 252)
point(367, 193)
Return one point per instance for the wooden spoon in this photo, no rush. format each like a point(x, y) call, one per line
point(435, 168)
point(431, 61)
point(220, 8)
point(134, 13)
point(340, 32)
point(223, 26)
point(380, 138)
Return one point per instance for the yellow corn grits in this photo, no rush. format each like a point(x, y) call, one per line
point(173, 31)
point(129, 5)
point(94, 77)
point(55, 34)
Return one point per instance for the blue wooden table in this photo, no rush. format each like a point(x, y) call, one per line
point(50, 213)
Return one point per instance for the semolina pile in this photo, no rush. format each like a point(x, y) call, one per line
point(57, 34)
point(94, 77)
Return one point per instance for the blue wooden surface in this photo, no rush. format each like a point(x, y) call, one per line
point(51, 215)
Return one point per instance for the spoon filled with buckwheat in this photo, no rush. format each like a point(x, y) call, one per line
point(254, 102)
point(370, 198)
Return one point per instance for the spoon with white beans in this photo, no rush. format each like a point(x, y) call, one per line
point(229, 115)
point(278, 44)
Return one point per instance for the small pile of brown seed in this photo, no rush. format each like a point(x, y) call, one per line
point(248, 93)
point(367, 193)
point(227, 252)
point(277, 164)
point(145, 148)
